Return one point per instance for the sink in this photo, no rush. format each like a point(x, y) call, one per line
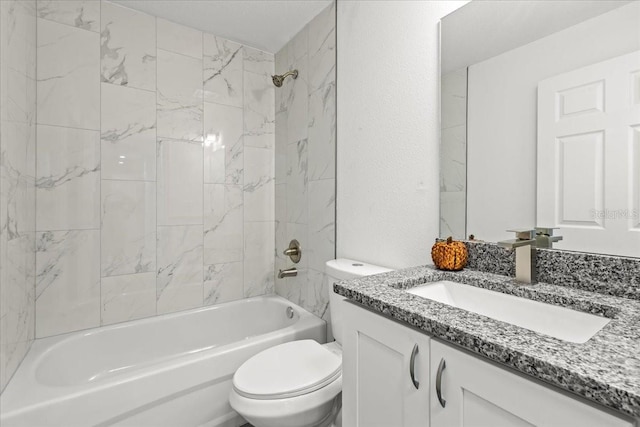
point(559, 322)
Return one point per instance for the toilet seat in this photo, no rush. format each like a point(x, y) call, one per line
point(288, 370)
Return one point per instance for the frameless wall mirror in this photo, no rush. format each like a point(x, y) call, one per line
point(541, 122)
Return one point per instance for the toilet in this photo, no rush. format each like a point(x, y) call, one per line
point(299, 383)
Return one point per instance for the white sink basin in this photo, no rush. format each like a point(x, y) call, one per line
point(559, 322)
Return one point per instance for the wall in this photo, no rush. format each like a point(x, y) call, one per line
point(17, 182)
point(305, 160)
point(388, 130)
point(453, 154)
point(155, 171)
point(503, 108)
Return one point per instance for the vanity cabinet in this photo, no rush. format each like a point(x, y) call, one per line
point(476, 392)
point(378, 387)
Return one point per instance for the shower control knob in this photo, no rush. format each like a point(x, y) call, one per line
point(294, 251)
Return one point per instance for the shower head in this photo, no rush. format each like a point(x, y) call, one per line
point(279, 79)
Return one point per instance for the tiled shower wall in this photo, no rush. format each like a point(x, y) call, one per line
point(305, 160)
point(17, 182)
point(155, 167)
point(453, 155)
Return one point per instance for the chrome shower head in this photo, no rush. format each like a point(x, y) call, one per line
point(279, 79)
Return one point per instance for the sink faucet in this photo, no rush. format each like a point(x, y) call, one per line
point(525, 246)
point(545, 237)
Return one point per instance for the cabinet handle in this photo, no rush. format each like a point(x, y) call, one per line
point(412, 363)
point(441, 367)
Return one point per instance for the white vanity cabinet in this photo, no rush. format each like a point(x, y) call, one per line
point(378, 387)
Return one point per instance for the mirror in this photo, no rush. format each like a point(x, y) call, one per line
point(540, 122)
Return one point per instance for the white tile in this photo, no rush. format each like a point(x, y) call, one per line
point(68, 179)
point(453, 214)
point(453, 159)
point(223, 283)
point(281, 240)
point(180, 182)
point(222, 71)
point(281, 148)
point(259, 111)
point(258, 258)
point(454, 99)
point(281, 67)
point(179, 96)
point(294, 288)
point(68, 281)
point(128, 134)
point(223, 223)
point(83, 14)
point(297, 204)
point(128, 227)
point(128, 47)
point(322, 218)
point(180, 272)
point(128, 297)
point(322, 133)
point(223, 144)
point(259, 62)
point(317, 300)
point(68, 87)
point(322, 49)
point(258, 184)
point(179, 39)
point(298, 102)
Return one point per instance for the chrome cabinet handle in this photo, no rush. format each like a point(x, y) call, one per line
point(412, 363)
point(441, 367)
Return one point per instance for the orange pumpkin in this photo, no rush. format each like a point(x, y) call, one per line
point(449, 255)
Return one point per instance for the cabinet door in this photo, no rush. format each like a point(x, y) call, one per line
point(377, 386)
point(478, 393)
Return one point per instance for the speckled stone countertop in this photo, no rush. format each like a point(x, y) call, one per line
point(605, 369)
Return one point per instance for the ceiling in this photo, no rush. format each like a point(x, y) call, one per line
point(264, 24)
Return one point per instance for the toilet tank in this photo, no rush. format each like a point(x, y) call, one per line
point(344, 269)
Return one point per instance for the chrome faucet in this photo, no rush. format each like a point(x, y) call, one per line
point(525, 246)
point(545, 237)
point(289, 272)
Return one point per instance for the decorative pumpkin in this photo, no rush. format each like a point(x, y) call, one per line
point(449, 255)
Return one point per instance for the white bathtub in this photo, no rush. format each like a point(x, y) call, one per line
point(173, 370)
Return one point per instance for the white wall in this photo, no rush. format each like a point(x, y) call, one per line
point(388, 130)
point(502, 116)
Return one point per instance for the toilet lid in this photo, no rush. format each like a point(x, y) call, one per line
point(287, 370)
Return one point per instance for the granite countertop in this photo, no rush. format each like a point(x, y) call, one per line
point(605, 369)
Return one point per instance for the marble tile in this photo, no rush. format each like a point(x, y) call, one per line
point(297, 202)
point(179, 283)
point(259, 111)
point(179, 96)
point(259, 62)
point(128, 227)
point(281, 235)
point(281, 148)
point(68, 90)
point(322, 49)
point(223, 283)
point(223, 144)
point(258, 184)
point(294, 288)
point(18, 170)
point(259, 241)
point(179, 39)
point(68, 179)
point(83, 14)
point(223, 223)
point(453, 155)
point(180, 182)
point(298, 102)
point(223, 65)
point(322, 133)
point(128, 297)
point(18, 65)
point(322, 220)
point(454, 99)
point(128, 133)
point(317, 301)
point(453, 214)
point(281, 67)
point(128, 47)
point(68, 281)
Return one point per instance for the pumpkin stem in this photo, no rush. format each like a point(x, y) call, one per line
point(449, 240)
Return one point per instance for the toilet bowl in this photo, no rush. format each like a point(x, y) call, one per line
point(299, 383)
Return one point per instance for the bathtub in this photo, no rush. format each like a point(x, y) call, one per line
point(172, 370)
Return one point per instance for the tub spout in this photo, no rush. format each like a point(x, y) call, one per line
point(289, 272)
